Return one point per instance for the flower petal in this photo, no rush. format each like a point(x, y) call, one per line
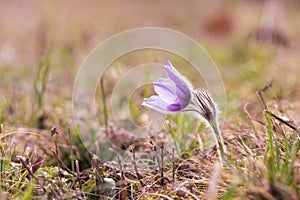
point(167, 82)
point(173, 94)
point(184, 86)
point(178, 78)
point(174, 107)
point(166, 90)
point(155, 102)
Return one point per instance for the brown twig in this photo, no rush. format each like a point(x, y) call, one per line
point(53, 132)
point(63, 164)
point(27, 168)
point(162, 164)
point(260, 94)
point(55, 192)
point(78, 176)
point(56, 152)
point(31, 173)
point(173, 165)
point(284, 122)
point(99, 179)
point(154, 148)
point(135, 167)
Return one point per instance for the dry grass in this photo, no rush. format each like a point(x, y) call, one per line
point(41, 47)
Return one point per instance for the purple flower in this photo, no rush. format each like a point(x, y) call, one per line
point(174, 94)
point(177, 94)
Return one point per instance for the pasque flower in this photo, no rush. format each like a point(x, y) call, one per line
point(176, 94)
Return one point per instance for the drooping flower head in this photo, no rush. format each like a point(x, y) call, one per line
point(176, 94)
point(203, 106)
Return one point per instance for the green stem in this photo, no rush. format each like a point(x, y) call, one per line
point(219, 141)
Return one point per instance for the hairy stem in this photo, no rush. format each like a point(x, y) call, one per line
point(219, 142)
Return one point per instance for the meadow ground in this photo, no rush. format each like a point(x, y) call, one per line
point(256, 48)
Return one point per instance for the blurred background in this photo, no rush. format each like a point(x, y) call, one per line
point(252, 43)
